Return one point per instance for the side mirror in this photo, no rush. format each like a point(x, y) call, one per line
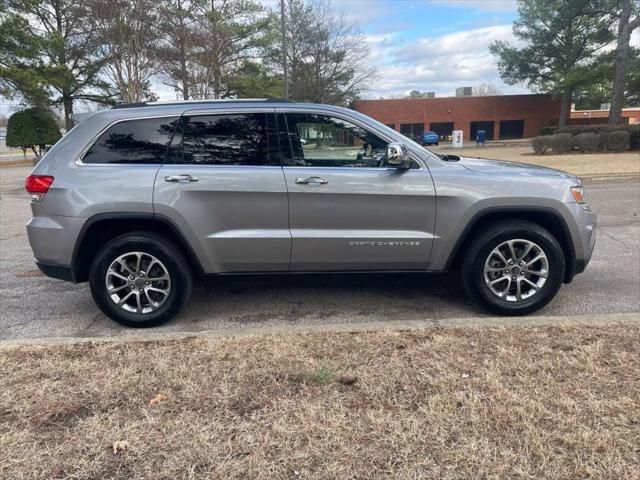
point(398, 156)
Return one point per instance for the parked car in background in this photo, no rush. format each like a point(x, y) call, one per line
point(430, 138)
point(140, 199)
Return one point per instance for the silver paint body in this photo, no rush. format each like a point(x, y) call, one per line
point(258, 219)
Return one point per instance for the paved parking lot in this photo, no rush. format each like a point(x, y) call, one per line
point(35, 306)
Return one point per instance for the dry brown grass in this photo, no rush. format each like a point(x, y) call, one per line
point(584, 164)
point(475, 403)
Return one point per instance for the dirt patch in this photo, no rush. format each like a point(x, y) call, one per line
point(591, 164)
point(546, 402)
point(30, 274)
point(16, 163)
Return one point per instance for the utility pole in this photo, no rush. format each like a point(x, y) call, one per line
point(284, 51)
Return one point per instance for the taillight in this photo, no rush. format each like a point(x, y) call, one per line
point(38, 185)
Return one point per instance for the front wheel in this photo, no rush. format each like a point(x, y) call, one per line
point(513, 267)
point(140, 280)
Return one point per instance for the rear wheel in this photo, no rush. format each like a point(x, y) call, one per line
point(140, 280)
point(513, 268)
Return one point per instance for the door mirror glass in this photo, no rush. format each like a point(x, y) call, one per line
point(398, 156)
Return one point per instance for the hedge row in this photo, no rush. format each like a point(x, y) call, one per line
point(608, 140)
point(598, 129)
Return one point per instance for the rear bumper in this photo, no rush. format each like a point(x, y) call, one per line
point(61, 272)
point(53, 238)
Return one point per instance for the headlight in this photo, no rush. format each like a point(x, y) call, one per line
point(578, 194)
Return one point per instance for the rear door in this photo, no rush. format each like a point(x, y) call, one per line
point(348, 209)
point(224, 188)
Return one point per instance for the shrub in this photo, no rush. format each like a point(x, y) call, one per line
point(540, 144)
point(603, 129)
point(615, 141)
point(34, 129)
point(547, 130)
point(587, 142)
point(561, 142)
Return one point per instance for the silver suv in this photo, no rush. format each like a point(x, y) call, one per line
point(141, 198)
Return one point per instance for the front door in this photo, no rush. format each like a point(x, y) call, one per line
point(225, 190)
point(347, 209)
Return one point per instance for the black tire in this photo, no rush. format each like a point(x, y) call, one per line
point(491, 237)
point(162, 249)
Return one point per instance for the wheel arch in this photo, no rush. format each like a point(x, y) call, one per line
point(547, 218)
point(103, 227)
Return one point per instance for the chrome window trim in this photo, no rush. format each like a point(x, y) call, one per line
point(191, 113)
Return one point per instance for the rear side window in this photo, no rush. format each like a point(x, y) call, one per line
point(134, 141)
point(228, 139)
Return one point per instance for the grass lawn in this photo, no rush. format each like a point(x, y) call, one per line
point(584, 164)
point(547, 402)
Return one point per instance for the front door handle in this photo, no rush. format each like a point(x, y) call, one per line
point(184, 178)
point(312, 181)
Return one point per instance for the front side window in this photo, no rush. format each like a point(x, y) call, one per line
point(325, 141)
point(133, 141)
point(228, 139)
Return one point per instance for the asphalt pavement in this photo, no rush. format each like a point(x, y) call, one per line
point(34, 306)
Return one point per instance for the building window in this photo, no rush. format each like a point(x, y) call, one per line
point(412, 130)
point(485, 125)
point(391, 125)
point(444, 129)
point(510, 129)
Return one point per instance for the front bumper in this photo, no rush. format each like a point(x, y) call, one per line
point(584, 238)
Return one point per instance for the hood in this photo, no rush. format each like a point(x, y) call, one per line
point(501, 167)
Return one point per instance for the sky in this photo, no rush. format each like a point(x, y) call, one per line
point(432, 45)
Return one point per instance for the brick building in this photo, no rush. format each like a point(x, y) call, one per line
point(630, 116)
point(501, 117)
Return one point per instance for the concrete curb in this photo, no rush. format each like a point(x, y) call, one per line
point(473, 322)
point(613, 177)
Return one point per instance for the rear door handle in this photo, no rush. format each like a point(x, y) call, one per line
point(311, 181)
point(184, 178)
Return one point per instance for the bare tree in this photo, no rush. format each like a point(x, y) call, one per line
point(129, 37)
point(326, 54)
point(626, 25)
point(178, 25)
point(486, 90)
point(205, 43)
point(230, 33)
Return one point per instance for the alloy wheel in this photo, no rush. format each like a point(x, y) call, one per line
point(516, 270)
point(138, 282)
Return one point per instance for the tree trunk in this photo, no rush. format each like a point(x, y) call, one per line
point(621, 59)
point(67, 101)
point(565, 107)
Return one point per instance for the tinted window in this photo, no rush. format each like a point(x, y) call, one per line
point(510, 129)
point(133, 141)
point(234, 139)
point(412, 130)
point(444, 129)
point(323, 141)
point(487, 126)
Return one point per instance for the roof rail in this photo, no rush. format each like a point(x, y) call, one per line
point(217, 100)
